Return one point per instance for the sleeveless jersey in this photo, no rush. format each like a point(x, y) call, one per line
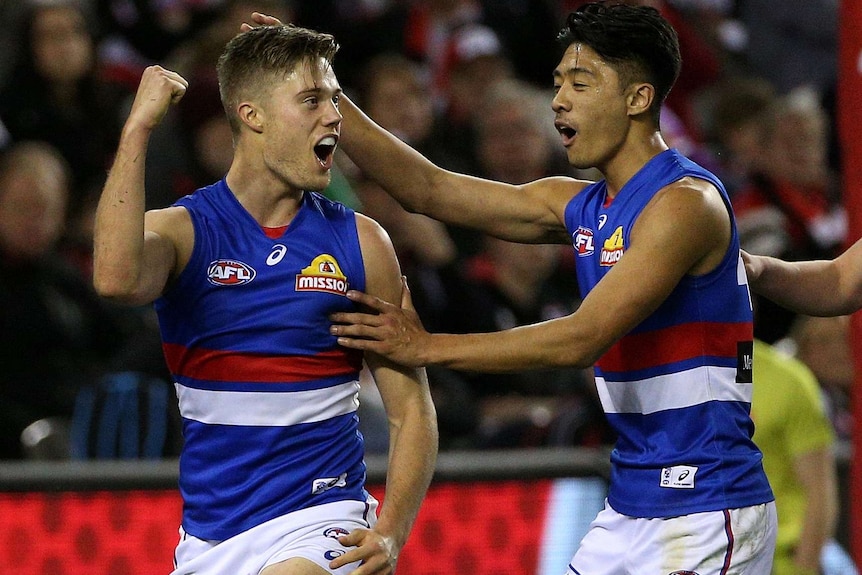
point(267, 397)
point(677, 388)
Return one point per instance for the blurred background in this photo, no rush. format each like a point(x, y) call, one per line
point(89, 431)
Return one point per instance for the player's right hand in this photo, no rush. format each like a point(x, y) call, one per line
point(159, 88)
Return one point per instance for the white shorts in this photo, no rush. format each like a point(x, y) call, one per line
point(729, 542)
point(309, 533)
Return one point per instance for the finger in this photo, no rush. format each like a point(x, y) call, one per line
point(265, 20)
point(352, 556)
point(177, 92)
point(356, 318)
point(371, 301)
point(356, 330)
point(362, 344)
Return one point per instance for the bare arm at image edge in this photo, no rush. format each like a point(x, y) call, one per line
point(820, 287)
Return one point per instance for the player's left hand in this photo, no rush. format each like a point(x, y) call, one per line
point(377, 553)
point(393, 332)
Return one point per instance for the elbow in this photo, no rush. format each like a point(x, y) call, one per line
point(582, 355)
point(115, 287)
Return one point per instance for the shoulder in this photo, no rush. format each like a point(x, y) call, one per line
point(382, 270)
point(690, 200)
point(167, 220)
point(556, 191)
point(372, 236)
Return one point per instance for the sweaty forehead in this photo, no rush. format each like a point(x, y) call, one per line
point(577, 58)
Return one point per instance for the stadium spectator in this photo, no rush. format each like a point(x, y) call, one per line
point(56, 334)
point(58, 93)
point(791, 207)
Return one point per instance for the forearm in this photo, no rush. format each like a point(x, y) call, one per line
point(816, 473)
point(423, 187)
point(404, 173)
point(547, 345)
point(119, 223)
point(816, 531)
point(809, 287)
point(412, 458)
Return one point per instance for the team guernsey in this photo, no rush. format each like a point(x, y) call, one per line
point(267, 397)
point(677, 389)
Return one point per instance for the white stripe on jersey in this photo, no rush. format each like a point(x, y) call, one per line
point(673, 391)
point(275, 409)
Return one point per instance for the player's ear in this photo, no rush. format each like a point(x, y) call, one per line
point(640, 98)
point(250, 115)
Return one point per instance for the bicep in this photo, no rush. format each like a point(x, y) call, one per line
point(382, 270)
point(529, 213)
point(849, 273)
point(815, 471)
point(168, 239)
point(399, 386)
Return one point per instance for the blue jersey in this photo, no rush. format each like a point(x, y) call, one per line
point(268, 398)
point(677, 388)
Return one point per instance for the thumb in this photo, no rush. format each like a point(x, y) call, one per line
point(406, 299)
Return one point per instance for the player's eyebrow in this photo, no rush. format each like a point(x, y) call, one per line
point(571, 71)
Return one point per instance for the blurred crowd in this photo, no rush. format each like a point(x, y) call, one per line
point(466, 82)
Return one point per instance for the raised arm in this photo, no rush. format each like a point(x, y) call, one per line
point(412, 425)
point(532, 213)
point(135, 255)
point(819, 287)
point(685, 229)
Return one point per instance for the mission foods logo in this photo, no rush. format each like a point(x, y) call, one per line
point(229, 273)
point(322, 275)
point(613, 248)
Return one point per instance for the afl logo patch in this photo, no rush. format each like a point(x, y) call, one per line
point(583, 242)
point(229, 273)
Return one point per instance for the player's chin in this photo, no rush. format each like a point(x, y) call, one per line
point(319, 181)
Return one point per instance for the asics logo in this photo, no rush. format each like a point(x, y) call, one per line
point(278, 251)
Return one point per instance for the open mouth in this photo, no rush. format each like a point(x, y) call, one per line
point(324, 151)
point(567, 133)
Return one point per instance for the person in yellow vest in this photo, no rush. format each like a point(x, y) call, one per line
point(794, 433)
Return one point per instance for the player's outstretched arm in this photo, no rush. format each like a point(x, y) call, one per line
point(819, 287)
point(132, 265)
point(531, 213)
point(412, 427)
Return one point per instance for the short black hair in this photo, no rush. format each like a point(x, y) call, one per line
point(637, 40)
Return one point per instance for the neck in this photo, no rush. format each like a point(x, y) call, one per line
point(270, 201)
point(629, 160)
